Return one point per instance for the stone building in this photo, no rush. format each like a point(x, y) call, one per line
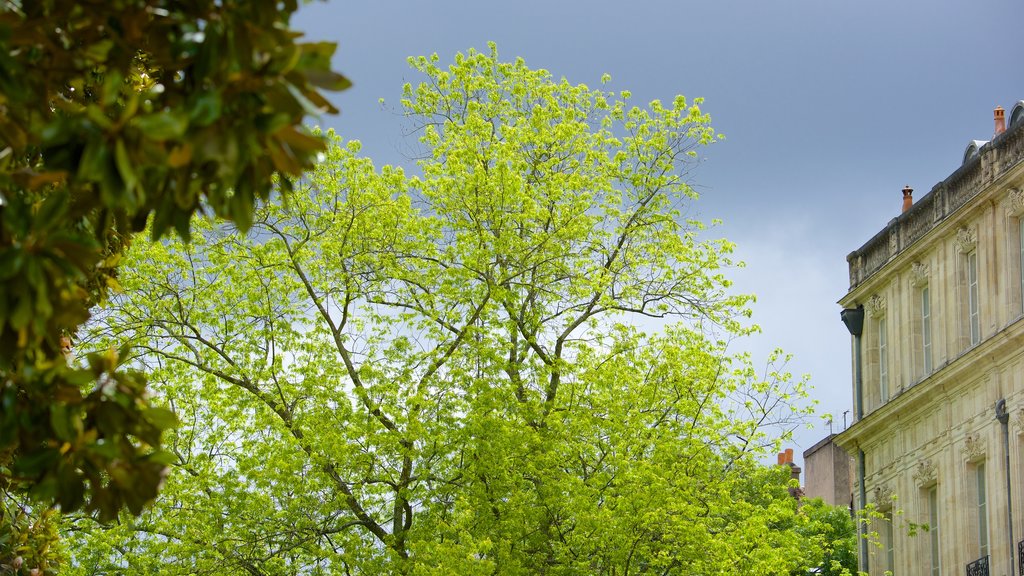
point(827, 473)
point(935, 310)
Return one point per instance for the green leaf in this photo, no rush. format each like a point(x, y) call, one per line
point(64, 422)
point(162, 126)
point(11, 260)
point(327, 80)
point(36, 462)
point(205, 108)
point(124, 166)
point(52, 210)
point(22, 314)
point(162, 418)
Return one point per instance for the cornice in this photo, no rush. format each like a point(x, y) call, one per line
point(944, 224)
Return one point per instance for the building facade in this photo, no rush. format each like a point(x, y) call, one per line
point(827, 473)
point(936, 313)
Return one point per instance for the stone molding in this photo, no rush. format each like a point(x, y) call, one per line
point(875, 306)
point(1020, 422)
point(966, 239)
point(925, 474)
point(1015, 198)
point(884, 496)
point(974, 447)
point(919, 273)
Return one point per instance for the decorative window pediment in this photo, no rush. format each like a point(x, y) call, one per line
point(974, 447)
point(884, 496)
point(925, 474)
point(919, 273)
point(966, 239)
point(1015, 198)
point(875, 306)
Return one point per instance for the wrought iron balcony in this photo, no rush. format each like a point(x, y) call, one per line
point(1020, 557)
point(979, 567)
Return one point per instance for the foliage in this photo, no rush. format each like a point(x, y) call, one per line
point(832, 533)
point(28, 537)
point(112, 113)
point(438, 374)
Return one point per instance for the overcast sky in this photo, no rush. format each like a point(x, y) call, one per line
point(828, 108)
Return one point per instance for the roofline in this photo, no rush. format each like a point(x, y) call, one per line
point(944, 199)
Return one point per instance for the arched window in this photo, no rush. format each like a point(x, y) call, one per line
point(1017, 115)
point(973, 149)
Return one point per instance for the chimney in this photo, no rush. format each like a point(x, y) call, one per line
point(786, 459)
point(794, 472)
point(1000, 118)
point(908, 198)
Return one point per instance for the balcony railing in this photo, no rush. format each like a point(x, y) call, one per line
point(979, 567)
point(1020, 557)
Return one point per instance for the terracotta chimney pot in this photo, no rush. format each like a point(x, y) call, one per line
point(782, 458)
point(908, 198)
point(1000, 118)
point(789, 455)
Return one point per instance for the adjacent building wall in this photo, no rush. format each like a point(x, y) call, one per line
point(828, 473)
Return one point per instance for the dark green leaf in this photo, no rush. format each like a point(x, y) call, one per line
point(162, 126)
point(205, 108)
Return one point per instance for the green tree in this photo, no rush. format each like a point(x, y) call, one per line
point(111, 113)
point(438, 374)
point(831, 532)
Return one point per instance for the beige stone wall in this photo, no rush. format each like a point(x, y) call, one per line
point(827, 473)
point(937, 429)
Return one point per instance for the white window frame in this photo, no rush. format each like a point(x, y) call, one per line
point(973, 308)
point(983, 540)
point(883, 361)
point(890, 546)
point(926, 330)
point(1020, 238)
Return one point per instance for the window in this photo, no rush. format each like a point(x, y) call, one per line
point(982, 511)
point(926, 330)
point(972, 297)
point(883, 363)
point(933, 530)
point(890, 556)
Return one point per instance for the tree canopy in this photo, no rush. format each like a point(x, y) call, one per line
point(445, 374)
point(110, 113)
point(830, 533)
point(113, 114)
